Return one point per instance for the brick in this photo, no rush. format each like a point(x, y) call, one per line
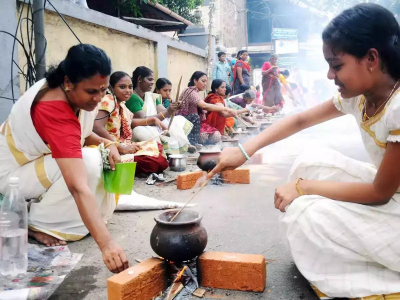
point(236, 176)
point(256, 159)
point(187, 180)
point(141, 282)
point(232, 271)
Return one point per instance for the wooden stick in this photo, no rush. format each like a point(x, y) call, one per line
point(176, 99)
point(203, 185)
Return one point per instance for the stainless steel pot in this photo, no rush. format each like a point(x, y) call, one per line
point(177, 162)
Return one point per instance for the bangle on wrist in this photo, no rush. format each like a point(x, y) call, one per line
point(298, 187)
point(162, 115)
point(147, 124)
point(110, 143)
point(244, 151)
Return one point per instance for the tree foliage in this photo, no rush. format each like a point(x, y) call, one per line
point(183, 8)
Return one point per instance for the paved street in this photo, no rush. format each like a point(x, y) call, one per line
point(238, 218)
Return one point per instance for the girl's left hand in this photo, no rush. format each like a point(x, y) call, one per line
point(285, 194)
point(114, 156)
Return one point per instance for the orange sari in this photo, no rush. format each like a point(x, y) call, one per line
point(214, 119)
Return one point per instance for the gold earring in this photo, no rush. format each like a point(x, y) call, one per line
point(370, 69)
point(67, 89)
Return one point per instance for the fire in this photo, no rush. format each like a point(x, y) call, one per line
point(180, 274)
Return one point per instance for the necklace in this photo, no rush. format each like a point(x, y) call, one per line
point(365, 116)
point(135, 91)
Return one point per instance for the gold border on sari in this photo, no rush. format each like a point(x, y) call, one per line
point(41, 173)
point(368, 123)
point(394, 132)
point(18, 155)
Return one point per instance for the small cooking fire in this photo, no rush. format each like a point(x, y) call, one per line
point(183, 281)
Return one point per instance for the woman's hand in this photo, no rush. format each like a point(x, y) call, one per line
point(284, 195)
point(128, 148)
point(174, 106)
point(158, 123)
point(114, 156)
point(231, 112)
point(114, 257)
point(229, 159)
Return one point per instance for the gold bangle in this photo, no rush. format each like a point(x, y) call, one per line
point(111, 143)
point(146, 122)
point(298, 188)
point(162, 115)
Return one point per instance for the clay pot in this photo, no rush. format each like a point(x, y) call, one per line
point(180, 240)
point(208, 160)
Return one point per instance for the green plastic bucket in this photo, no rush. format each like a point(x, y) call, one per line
point(121, 180)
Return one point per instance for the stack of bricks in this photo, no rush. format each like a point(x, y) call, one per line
point(232, 271)
point(141, 282)
point(187, 180)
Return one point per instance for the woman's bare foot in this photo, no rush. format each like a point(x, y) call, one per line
point(45, 239)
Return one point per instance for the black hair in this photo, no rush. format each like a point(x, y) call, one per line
point(285, 73)
point(160, 83)
point(142, 72)
point(240, 53)
point(293, 85)
point(220, 54)
point(215, 85)
point(365, 26)
point(196, 75)
point(117, 76)
point(83, 61)
point(257, 87)
point(228, 90)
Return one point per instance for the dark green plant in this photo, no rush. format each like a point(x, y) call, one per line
point(183, 8)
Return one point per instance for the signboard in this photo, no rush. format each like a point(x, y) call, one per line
point(286, 46)
point(287, 61)
point(284, 34)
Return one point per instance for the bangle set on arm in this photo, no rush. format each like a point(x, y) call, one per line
point(111, 143)
point(244, 151)
point(298, 187)
point(147, 124)
point(162, 115)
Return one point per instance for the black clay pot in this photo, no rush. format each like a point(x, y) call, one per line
point(208, 160)
point(180, 240)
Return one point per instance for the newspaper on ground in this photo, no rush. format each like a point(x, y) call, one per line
point(47, 268)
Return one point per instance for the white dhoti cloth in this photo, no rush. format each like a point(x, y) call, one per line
point(344, 249)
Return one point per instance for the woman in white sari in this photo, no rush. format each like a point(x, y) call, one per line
point(341, 217)
point(144, 104)
point(42, 143)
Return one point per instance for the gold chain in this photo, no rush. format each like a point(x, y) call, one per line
point(366, 117)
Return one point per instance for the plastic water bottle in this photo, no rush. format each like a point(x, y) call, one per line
point(13, 232)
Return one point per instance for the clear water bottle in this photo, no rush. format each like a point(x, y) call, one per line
point(13, 232)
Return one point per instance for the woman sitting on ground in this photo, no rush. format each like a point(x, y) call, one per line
point(144, 104)
point(43, 144)
point(192, 109)
point(341, 217)
point(115, 122)
point(216, 96)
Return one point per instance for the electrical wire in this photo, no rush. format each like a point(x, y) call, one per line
point(27, 46)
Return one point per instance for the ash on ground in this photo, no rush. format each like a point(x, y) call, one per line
point(217, 180)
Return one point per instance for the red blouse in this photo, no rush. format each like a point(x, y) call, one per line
point(58, 126)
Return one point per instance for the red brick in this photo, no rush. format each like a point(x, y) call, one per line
point(141, 282)
point(256, 159)
point(236, 176)
point(232, 271)
point(187, 180)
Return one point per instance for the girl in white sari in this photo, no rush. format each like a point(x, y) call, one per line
point(42, 143)
point(341, 217)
